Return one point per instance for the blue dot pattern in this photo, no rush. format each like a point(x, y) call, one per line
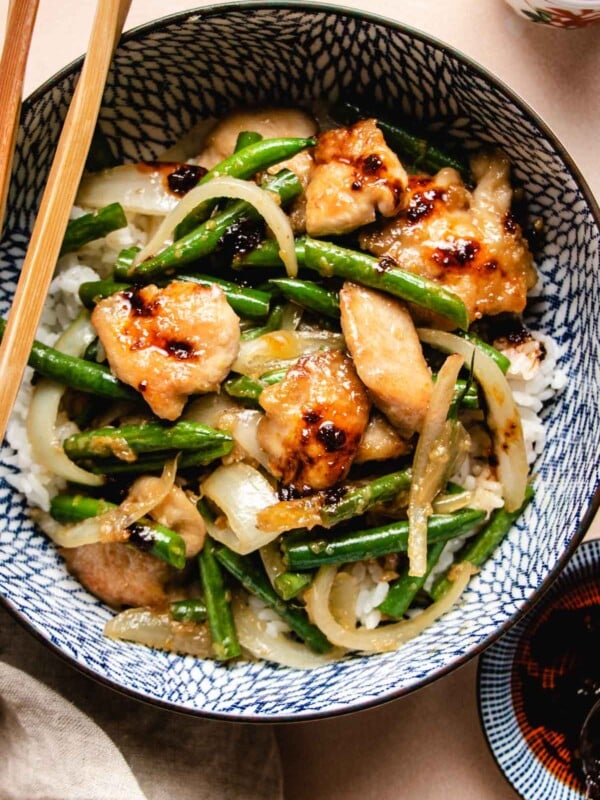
point(165, 78)
point(525, 771)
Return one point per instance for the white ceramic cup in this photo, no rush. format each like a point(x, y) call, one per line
point(559, 13)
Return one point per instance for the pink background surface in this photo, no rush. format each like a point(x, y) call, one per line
point(428, 745)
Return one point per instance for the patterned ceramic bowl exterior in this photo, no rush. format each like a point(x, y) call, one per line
point(558, 13)
point(521, 751)
point(165, 77)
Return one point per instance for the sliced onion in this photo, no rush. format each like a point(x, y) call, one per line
point(262, 200)
point(138, 502)
point(157, 629)
point(239, 491)
point(275, 349)
point(219, 411)
point(44, 439)
point(254, 637)
point(504, 420)
point(139, 188)
point(448, 503)
point(385, 637)
point(113, 524)
point(88, 531)
point(430, 464)
point(209, 408)
point(243, 424)
point(289, 514)
point(343, 599)
point(291, 317)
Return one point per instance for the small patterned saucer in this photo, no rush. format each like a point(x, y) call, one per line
point(538, 682)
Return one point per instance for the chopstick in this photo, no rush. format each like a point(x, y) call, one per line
point(57, 201)
point(17, 40)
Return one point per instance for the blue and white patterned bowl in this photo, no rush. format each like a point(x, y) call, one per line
point(534, 759)
point(165, 77)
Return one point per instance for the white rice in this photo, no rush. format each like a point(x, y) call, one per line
point(19, 468)
point(274, 624)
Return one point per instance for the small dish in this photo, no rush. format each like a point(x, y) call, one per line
point(537, 684)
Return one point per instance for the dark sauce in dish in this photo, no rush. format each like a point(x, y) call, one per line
point(556, 679)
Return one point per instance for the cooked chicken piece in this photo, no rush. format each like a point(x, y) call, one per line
point(466, 241)
point(168, 343)
point(176, 512)
point(314, 421)
point(356, 175)
point(271, 123)
point(381, 337)
point(380, 442)
point(119, 574)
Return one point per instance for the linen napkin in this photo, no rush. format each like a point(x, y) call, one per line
point(64, 737)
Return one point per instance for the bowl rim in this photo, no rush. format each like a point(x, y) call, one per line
point(219, 9)
point(517, 632)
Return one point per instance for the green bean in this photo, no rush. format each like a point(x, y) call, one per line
point(309, 295)
point(218, 607)
point(145, 464)
point(243, 164)
point(403, 591)
point(246, 388)
point(478, 549)
point(361, 545)
point(422, 153)
point(77, 373)
point(245, 138)
point(499, 358)
point(145, 533)
point(205, 238)
point(355, 500)
point(91, 292)
point(289, 584)
point(246, 302)
point(193, 610)
point(267, 255)
point(147, 437)
point(329, 259)
point(249, 572)
point(465, 394)
point(124, 262)
point(93, 226)
point(273, 323)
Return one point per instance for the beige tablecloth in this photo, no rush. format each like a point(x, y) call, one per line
point(428, 746)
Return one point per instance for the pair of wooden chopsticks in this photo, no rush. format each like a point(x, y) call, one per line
point(62, 184)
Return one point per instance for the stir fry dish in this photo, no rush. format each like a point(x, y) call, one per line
point(284, 402)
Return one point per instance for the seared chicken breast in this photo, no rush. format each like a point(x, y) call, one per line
point(381, 337)
point(356, 176)
point(315, 419)
point(168, 343)
point(119, 574)
point(466, 241)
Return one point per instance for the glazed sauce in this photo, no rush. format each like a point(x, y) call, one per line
point(556, 679)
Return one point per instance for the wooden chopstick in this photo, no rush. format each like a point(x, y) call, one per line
point(17, 40)
point(57, 201)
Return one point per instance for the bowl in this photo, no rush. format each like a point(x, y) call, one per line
point(567, 14)
point(166, 76)
point(536, 685)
